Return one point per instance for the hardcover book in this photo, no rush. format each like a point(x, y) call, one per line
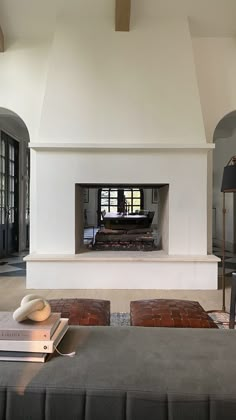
point(37, 346)
point(27, 330)
point(22, 356)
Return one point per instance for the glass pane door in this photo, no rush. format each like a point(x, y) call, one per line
point(118, 200)
point(8, 195)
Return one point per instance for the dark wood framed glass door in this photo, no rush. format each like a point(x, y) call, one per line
point(9, 195)
point(27, 198)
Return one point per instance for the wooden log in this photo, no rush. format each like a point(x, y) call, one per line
point(123, 246)
point(124, 237)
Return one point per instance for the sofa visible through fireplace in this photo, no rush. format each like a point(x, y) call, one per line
point(120, 217)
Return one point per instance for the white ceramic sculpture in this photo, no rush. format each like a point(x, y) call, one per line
point(33, 307)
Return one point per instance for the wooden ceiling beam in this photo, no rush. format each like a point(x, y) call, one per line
point(122, 15)
point(1, 40)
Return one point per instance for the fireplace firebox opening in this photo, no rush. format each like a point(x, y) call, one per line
point(123, 217)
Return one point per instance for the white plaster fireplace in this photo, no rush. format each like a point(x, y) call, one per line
point(183, 263)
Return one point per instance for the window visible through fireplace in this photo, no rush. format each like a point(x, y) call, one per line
point(110, 197)
point(114, 199)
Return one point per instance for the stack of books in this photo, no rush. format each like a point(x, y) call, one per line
point(28, 340)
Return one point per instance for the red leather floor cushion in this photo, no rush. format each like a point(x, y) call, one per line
point(169, 313)
point(83, 311)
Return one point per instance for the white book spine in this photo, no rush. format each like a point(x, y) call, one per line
point(24, 335)
point(42, 346)
point(31, 346)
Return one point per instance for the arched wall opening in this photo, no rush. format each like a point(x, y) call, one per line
point(225, 147)
point(14, 183)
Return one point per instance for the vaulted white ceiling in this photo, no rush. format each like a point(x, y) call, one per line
point(34, 18)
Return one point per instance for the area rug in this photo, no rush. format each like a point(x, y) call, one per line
point(120, 319)
point(221, 319)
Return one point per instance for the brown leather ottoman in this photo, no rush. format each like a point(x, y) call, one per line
point(83, 311)
point(169, 313)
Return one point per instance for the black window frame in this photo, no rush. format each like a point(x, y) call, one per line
point(131, 207)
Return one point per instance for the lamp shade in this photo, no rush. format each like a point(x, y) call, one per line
point(229, 177)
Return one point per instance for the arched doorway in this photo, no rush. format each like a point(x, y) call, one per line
point(225, 147)
point(14, 184)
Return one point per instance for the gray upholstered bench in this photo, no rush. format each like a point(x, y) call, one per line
point(126, 373)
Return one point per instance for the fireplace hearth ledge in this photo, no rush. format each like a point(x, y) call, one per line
point(126, 256)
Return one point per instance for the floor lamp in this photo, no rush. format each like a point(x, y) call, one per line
point(228, 185)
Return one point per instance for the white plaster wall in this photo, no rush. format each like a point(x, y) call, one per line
point(53, 196)
point(107, 86)
point(23, 68)
point(215, 60)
